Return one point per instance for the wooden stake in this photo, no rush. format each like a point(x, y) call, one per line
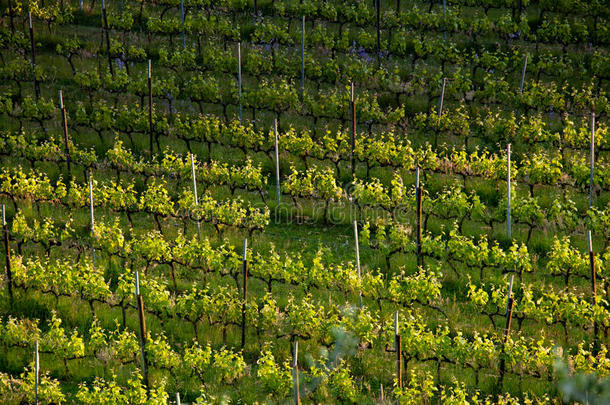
point(398, 349)
point(142, 319)
point(357, 245)
point(64, 122)
point(381, 395)
point(177, 398)
point(592, 159)
point(9, 276)
point(508, 197)
point(33, 51)
point(593, 286)
point(592, 265)
point(277, 163)
point(105, 20)
point(239, 78)
point(508, 318)
point(418, 208)
point(442, 100)
point(523, 74)
point(36, 372)
point(357, 248)
point(245, 291)
point(396, 328)
point(303, 58)
point(510, 291)
point(297, 394)
point(91, 218)
point(195, 193)
point(150, 108)
point(353, 109)
point(509, 308)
